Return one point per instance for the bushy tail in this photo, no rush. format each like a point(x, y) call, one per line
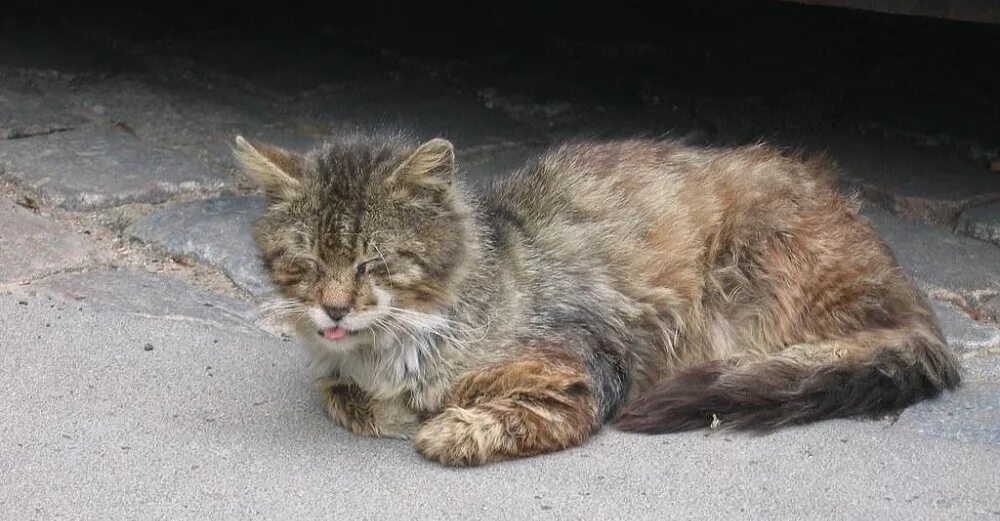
point(782, 390)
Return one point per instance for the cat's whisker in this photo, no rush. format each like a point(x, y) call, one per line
point(384, 327)
point(436, 318)
point(433, 329)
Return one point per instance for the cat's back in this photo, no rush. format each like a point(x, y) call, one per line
point(630, 182)
point(619, 210)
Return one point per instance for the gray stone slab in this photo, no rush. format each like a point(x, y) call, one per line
point(989, 308)
point(27, 112)
point(970, 414)
point(200, 121)
point(217, 231)
point(929, 184)
point(963, 333)
point(32, 246)
point(939, 259)
point(103, 167)
point(981, 222)
point(137, 293)
point(216, 423)
point(425, 108)
point(984, 368)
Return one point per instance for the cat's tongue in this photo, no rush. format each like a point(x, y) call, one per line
point(334, 333)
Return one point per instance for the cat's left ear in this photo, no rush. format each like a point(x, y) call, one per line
point(275, 170)
point(431, 165)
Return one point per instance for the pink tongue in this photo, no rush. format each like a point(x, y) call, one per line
point(334, 333)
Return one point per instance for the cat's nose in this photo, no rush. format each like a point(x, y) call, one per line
point(337, 312)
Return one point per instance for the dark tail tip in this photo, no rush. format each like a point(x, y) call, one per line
point(776, 392)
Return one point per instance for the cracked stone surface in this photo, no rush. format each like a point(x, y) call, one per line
point(938, 259)
point(931, 185)
point(201, 122)
point(224, 236)
point(32, 246)
point(101, 167)
point(138, 293)
point(26, 112)
point(963, 333)
point(981, 222)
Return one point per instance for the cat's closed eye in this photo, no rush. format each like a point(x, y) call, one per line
point(299, 271)
point(376, 267)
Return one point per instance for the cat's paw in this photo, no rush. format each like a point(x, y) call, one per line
point(347, 406)
point(351, 408)
point(461, 437)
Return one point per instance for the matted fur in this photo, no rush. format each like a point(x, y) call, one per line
point(644, 281)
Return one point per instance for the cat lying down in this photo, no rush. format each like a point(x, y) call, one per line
point(645, 283)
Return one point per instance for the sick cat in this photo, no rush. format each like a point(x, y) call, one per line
point(646, 283)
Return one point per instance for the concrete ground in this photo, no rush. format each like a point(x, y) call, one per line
point(137, 383)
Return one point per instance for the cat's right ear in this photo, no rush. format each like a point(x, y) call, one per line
point(275, 170)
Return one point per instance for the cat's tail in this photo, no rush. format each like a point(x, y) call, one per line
point(873, 374)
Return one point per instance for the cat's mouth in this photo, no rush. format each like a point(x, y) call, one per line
point(335, 333)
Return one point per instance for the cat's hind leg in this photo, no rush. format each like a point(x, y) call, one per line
point(536, 404)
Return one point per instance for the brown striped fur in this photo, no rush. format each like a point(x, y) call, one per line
point(645, 282)
point(539, 403)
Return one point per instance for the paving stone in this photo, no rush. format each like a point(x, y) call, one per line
point(202, 122)
point(989, 308)
point(217, 231)
point(104, 167)
point(928, 184)
point(963, 333)
point(24, 111)
point(139, 293)
point(969, 414)
point(985, 368)
point(981, 222)
point(939, 259)
point(32, 246)
point(425, 108)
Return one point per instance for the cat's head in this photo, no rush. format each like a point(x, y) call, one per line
point(366, 235)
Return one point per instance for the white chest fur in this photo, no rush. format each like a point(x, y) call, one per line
point(386, 368)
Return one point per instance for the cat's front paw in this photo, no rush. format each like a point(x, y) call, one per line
point(461, 437)
point(351, 408)
point(347, 406)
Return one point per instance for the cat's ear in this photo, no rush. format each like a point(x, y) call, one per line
point(275, 170)
point(431, 165)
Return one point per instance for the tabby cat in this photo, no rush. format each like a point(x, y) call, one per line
point(646, 283)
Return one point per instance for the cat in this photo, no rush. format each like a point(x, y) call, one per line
point(645, 283)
